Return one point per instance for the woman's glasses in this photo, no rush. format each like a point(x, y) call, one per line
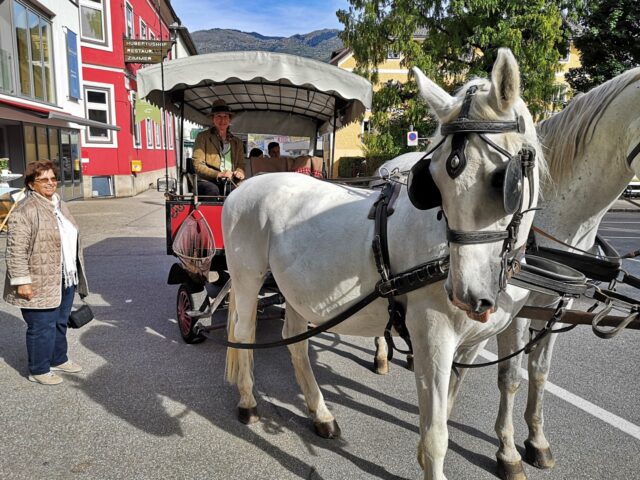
point(53, 180)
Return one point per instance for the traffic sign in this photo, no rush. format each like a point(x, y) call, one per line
point(412, 138)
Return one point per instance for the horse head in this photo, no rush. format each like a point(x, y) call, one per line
point(483, 174)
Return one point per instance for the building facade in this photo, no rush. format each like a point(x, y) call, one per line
point(127, 161)
point(41, 107)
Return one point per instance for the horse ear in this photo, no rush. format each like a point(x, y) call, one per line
point(437, 98)
point(505, 81)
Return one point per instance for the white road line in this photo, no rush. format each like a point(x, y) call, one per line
point(584, 405)
point(622, 238)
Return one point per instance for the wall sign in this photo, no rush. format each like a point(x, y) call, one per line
point(72, 65)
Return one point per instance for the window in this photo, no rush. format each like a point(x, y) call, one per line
point(7, 70)
point(143, 30)
point(169, 124)
point(35, 63)
point(92, 21)
point(97, 101)
point(158, 131)
point(149, 132)
point(137, 134)
point(128, 14)
point(391, 55)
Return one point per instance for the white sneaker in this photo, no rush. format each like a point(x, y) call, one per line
point(67, 367)
point(48, 378)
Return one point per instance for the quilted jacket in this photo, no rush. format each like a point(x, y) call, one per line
point(34, 254)
point(206, 154)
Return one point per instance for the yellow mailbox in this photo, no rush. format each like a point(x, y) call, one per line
point(136, 166)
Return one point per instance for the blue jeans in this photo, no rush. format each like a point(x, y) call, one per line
point(47, 333)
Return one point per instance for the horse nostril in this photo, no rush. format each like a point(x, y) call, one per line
point(483, 305)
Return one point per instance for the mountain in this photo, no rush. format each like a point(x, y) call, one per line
point(318, 44)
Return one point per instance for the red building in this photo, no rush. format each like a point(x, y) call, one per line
point(109, 90)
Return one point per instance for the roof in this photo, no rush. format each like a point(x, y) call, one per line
point(269, 92)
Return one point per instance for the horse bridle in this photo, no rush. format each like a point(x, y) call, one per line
point(519, 165)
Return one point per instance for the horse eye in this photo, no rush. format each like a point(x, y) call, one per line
point(497, 177)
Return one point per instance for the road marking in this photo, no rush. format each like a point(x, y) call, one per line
point(622, 238)
point(584, 405)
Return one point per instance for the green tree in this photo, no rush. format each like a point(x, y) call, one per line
point(452, 41)
point(608, 41)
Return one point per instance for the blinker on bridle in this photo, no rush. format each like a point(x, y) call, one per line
point(518, 167)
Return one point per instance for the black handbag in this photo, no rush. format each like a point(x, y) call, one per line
point(80, 317)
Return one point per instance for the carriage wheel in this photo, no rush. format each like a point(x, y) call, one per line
point(185, 322)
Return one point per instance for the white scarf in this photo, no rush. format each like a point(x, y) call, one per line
point(69, 242)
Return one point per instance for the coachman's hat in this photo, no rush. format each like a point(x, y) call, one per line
point(220, 106)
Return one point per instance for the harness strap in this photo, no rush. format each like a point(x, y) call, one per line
point(548, 328)
point(309, 333)
point(633, 154)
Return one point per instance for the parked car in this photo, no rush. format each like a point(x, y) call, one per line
point(633, 189)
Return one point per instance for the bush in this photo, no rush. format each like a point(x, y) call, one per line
point(351, 167)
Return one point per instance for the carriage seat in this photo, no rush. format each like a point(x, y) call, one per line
point(305, 164)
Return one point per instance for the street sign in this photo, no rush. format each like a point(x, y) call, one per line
point(145, 51)
point(412, 139)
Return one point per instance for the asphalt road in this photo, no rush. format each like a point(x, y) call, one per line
point(148, 406)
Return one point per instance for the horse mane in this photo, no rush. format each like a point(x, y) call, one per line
point(571, 130)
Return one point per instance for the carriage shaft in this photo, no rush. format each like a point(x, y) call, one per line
point(575, 317)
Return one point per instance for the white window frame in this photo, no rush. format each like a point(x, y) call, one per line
point(137, 131)
point(142, 33)
point(100, 44)
point(129, 25)
point(148, 123)
point(110, 108)
point(170, 130)
point(157, 130)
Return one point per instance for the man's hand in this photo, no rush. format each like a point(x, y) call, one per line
point(25, 291)
point(239, 174)
point(225, 174)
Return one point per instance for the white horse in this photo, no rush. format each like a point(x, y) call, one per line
point(310, 235)
point(592, 150)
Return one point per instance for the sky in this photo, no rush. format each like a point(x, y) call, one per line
point(277, 18)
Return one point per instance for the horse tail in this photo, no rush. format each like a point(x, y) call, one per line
point(232, 361)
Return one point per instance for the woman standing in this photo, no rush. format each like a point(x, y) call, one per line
point(44, 267)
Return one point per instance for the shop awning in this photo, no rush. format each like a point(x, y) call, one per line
point(44, 113)
point(81, 121)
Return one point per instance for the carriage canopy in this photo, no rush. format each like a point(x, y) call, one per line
point(268, 92)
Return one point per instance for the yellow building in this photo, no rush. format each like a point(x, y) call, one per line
point(349, 138)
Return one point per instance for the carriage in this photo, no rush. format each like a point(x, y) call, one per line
point(270, 94)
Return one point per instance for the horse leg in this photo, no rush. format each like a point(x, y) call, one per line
point(467, 356)
point(241, 327)
point(537, 449)
point(510, 340)
point(324, 423)
point(381, 361)
point(434, 349)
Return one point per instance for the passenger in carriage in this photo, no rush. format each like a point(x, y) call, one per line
point(256, 153)
point(218, 156)
point(274, 150)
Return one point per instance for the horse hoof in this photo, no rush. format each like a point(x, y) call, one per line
point(410, 363)
point(511, 470)
point(327, 429)
point(248, 415)
point(381, 368)
point(538, 457)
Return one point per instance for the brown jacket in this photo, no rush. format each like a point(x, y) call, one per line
point(207, 152)
point(34, 254)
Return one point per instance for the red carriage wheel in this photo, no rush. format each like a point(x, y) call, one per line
point(185, 322)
